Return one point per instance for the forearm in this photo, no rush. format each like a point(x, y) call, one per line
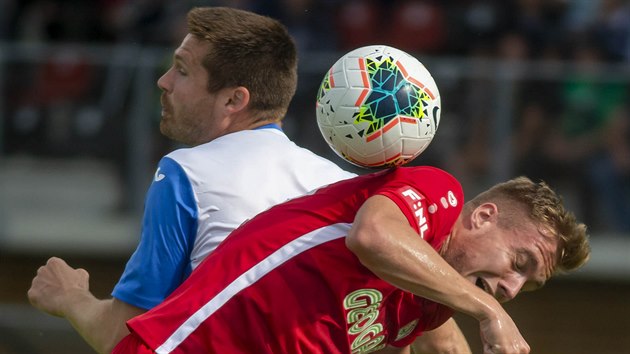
point(63, 291)
point(96, 321)
point(383, 241)
point(390, 249)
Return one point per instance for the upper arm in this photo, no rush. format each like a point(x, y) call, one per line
point(162, 259)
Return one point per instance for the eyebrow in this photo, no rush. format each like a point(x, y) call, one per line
point(531, 263)
point(178, 57)
point(531, 258)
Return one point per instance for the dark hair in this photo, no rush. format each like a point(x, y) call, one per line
point(248, 50)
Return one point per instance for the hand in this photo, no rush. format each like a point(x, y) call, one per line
point(446, 339)
point(499, 335)
point(55, 286)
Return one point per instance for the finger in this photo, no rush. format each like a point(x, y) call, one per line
point(56, 261)
point(83, 273)
point(33, 295)
point(516, 349)
point(41, 270)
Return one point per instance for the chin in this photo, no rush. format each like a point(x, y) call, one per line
point(167, 132)
point(165, 124)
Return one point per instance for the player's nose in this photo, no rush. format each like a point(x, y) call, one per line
point(164, 82)
point(509, 287)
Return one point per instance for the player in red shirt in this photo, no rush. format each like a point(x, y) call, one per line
point(368, 265)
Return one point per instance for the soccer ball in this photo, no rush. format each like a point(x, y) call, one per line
point(378, 107)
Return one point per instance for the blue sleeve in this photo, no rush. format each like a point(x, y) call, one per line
point(162, 260)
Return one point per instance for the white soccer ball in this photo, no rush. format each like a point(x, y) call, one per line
point(378, 107)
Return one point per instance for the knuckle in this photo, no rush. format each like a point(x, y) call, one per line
point(41, 270)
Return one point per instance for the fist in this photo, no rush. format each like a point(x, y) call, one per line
point(56, 285)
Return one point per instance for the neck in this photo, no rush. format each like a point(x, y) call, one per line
point(262, 123)
point(445, 245)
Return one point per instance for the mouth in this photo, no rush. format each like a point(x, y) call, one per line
point(165, 112)
point(165, 106)
point(483, 286)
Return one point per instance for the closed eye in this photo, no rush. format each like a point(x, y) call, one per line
point(179, 65)
point(525, 261)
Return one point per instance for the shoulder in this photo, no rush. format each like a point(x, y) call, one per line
point(426, 195)
point(434, 183)
point(431, 181)
point(429, 174)
point(426, 179)
point(237, 146)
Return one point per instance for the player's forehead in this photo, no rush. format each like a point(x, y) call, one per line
point(191, 51)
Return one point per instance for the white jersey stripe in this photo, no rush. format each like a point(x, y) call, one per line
point(288, 251)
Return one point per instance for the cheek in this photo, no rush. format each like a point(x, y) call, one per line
point(187, 107)
point(459, 259)
point(474, 259)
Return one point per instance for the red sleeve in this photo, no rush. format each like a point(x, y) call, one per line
point(430, 198)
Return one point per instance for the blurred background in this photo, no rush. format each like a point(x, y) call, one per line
point(533, 87)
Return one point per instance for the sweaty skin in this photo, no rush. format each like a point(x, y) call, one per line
point(383, 241)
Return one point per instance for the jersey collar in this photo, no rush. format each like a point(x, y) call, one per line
point(269, 126)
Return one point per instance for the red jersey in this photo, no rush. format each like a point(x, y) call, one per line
point(285, 282)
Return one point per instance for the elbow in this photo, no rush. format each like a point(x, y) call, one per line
point(354, 241)
point(364, 240)
point(373, 234)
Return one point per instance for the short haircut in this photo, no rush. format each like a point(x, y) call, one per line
point(537, 201)
point(248, 50)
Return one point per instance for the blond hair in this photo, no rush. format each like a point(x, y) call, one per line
point(545, 208)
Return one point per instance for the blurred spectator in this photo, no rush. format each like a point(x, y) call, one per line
point(535, 114)
point(477, 24)
point(7, 16)
point(358, 23)
point(310, 22)
point(582, 146)
point(580, 15)
point(479, 143)
point(416, 26)
point(540, 22)
point(152, 22)
point(45, 103)
point(612, 28)
point(56, 21)
point(38, 21)
point(50, 115)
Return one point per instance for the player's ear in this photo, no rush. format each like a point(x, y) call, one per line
point(237, 99)
point(484, 215)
